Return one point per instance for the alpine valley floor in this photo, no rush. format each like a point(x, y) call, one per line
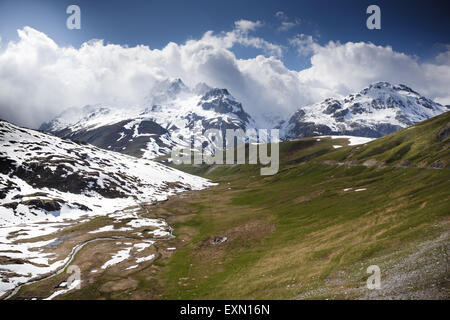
point(308, 232)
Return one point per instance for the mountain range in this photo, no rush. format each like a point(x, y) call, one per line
point(307, 232)
point(175, 111)
point(375, 111)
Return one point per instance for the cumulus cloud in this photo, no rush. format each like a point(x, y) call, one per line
point(39, 78)
point(305, 44)
point(346, 68)
point(443, 57)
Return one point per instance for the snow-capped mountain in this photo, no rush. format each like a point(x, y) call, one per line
point(49, 185)
point(380, 109)
point(43, 177)
point(173, 110)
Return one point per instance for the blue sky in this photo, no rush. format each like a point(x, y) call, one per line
point(414, 27)
point(273, 56)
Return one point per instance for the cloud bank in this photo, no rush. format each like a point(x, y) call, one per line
point(39, 78)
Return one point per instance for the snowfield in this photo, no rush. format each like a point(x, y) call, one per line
point(48, 184)
point(45, 178)
point(352, 140)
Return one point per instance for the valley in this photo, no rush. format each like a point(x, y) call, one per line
point(308, 232)
point(215, 159)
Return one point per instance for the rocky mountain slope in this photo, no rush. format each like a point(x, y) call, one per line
point(378, 110)
point(49, 185)
point(173, 111)
point(43, 176)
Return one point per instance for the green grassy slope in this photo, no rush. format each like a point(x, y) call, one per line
point(425, 144)
point(292, 234)
point(309, 231)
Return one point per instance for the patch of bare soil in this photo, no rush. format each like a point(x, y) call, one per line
point(211, 249)
point(119, 285)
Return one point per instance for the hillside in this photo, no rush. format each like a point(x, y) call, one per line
point(49, 185)
point(309, 231)
point(422, 145)
point(312, 230)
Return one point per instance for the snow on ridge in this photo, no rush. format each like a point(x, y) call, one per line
point(375, 111)
point(48, 184)
point(108, 180)
point(176, 110)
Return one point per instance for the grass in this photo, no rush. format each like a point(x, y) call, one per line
point(293, 234)
point(418, 145)
point(316, 228)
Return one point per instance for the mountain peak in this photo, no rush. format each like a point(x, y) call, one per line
point(386, 86)
point(178, 85)
point(377, 110)
point(166, 90)
point(152, 130)
point(214, 93)
point(221, 101)
point(381, 85)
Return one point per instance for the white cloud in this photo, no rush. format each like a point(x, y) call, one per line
point(346, 68)
point(39, 78)
point(441, 58)
point(305, 44)
point(246, 25)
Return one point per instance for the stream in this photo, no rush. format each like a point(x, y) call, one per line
point(75, 250)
